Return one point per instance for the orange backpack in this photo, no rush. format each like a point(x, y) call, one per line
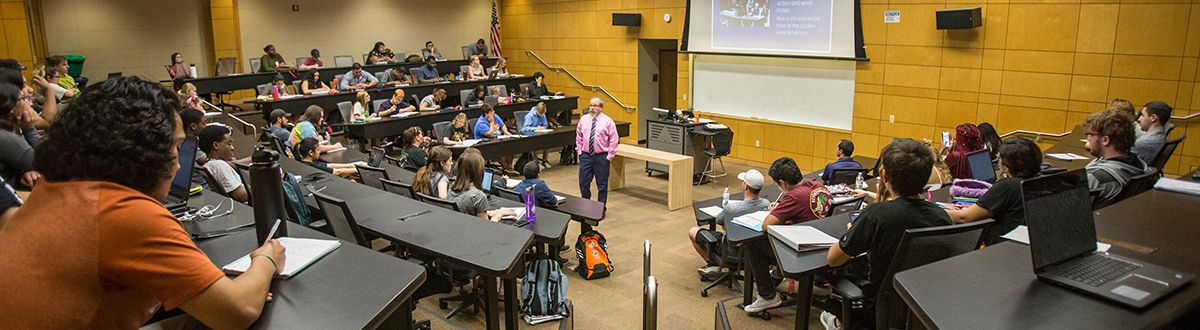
point(592, 250)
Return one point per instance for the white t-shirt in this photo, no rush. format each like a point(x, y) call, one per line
point(226, 176)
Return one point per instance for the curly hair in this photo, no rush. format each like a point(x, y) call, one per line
point(121, 130)
point(1117, 125)
point(785, 169)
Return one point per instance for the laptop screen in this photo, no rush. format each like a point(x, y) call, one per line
point(1058, 212)
point(981, 165)
point(187, 158)
point(487, 181)
point(376, 158)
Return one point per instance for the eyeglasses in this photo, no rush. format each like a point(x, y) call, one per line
point(27, 98)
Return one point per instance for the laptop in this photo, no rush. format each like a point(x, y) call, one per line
point(488, 176)
point(376, 158)
point(492, 73)
point(181, 185)
point(1062, 240)
point(981, 165)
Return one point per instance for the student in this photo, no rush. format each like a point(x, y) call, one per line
point(312, 119)
point(278, 127)
point(538, 87)
point(752, 183)
point(357, 80)
point(433, 179)
point(1152, 121)
point(541, 191)
point(138, 257)
point(457, 131)
point(193, 122)
point(271, 61)
point(801, 201)
point(313, 84)
point(433, 101)
point(477, 95)
point(380, 54)
point(178, 70)
point(479, 49)
point(501, 66)
point(845, 152)
point(47, 98)
point(466, 191)
point(313, 61)
point(58, 66)
point(395, 105)
point(966, 140)
point(428, 73)
point(18, 137)
point(415, 143)
point(215, 141)
point(191, 100)
point(991, 139)
point(361, 108)
point(310, 154)
point(431, 51)
point(396, 77)
point(536, 119)
point(490, 125)
point(906, 165)
point(1020, 159)
point(1127, 107)
point(1109, 138)
point(10, 202)
point(278, 87)
point(476, 71)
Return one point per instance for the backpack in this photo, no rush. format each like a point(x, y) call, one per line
point(568, 156)
point(524, 159)
point(592, 250)
point(544, 292)
point(294, 200)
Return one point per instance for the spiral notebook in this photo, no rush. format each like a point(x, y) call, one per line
point(300, 252)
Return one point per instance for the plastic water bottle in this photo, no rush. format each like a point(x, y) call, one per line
point(859, 182)
point(530, 204)
point(725, 197)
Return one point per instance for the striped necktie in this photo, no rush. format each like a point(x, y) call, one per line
point(592, 137)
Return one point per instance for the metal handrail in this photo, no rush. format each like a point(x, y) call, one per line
point(646, 264)
point(1038, 135)
point(650, 305)
point(235, 118)
point(627, 108)
point(1186, 118)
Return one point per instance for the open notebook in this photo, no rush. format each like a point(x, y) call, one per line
point(301, 253)
point(752, 221)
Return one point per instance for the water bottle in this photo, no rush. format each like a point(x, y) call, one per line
point(192, 70)
point(725, 197)
point(859, 183)
point(530, 204)
point(267, 180)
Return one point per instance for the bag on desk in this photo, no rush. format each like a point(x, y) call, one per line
point(544, 292)
point(592, 250)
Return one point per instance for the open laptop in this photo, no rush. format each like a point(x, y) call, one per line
point(981, 165)
point(181, 185)
point(376, 158)
point(492, 73)
point(488, 178)
point(1062, 240)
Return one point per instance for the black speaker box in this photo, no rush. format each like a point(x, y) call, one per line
point(962, 18)
point(620, 19)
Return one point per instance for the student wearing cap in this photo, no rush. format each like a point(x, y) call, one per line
point(313, 62)
point(394, 105)
point(845, 151)
point(752, 183)
point(278, 127)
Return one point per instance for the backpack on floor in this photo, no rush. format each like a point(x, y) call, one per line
point(524, 159)
point(592, 250)
point(568, 156)
point(544, 292)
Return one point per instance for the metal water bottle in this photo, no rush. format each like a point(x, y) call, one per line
point(530, 204)
point(266, 178)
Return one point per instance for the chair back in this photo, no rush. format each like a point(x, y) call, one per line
point(723, 143)
point(340, 219)
point(399, 188)
point(226, 66)
point(466, 51)
point(438, 127)
point(371, 176)
point(343, 61)
point(498, 90)
point(345, 108)
point(264, 89)
point(375, 104)
point(471, 124)
point(1137, 184)
point(296, 86)
point(255, 64)
point(846, 175)
point(919, 247)
point(212, 182)
point(523, 87)
point(507, 193)
point(1164, 153)
point(464, 95)
point(243, 171)
point(446, 204)
point(520, 118)
point(412, 74)
point(366, 59)
point(382, 76)
point(299, 61)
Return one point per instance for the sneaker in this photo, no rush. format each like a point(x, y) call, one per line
point(761, 304)
point(709, 271)
point(829, 321)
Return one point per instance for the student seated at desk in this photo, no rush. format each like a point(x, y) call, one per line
point(991, 139)
point(1109, 138)
point(278, 127)
point(128, 255)
point(361, 109)
point(536, 119)
point(1152, 122)
point(431, 51)
point(801, 201)
point(433, 101)
point(178, 69)
point(541, 191)
point(501, 66)
point(10, 202)
point(466, 190)
point(396, 76)
point(271, 61)
point(491, 126)
point(905, 167)
point(310, 154)
point(433, 179)
point(479, 48)
point(313, 61)
point(279, 88)
point(538, 87)
point(312, 120)
point(457, 131)
point(215, 141)
point(477, 95)
point(845, 151)
point(58, 67)
point(428, 73)
point(966, 140)
point(476, 71)
point(415, 143)
point(752, 183)
point(18, 137)
point(380, 54)
point(1020, 159)
point(313, 83)
point(357, 80)
point(395, 105)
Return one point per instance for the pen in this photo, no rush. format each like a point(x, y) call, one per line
point(414, 215)
point(273, 229)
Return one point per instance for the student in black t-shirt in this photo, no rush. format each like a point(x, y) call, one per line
point(906, 165)
point(1020, 159)
point(311, 156)
point(9, 202)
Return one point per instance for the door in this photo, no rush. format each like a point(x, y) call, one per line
point(668, 72)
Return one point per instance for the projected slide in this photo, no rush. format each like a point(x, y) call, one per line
point(781, 25)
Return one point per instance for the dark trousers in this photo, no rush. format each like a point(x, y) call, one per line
point(593, 166)
point(759, 260)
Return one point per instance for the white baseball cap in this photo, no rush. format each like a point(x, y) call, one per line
point(752, 178)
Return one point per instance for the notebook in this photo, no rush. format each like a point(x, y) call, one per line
point(301, 253)
point(802, 238)
point(752, 221)
point(519, 213)
point(1066, 156)
point(1178, 186)
point(711, 210)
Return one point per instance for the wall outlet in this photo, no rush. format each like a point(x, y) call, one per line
point(685, 96)
point(757, 143)
point(891, 119)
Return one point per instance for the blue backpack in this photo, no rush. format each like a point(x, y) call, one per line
point(544, 292)
point(293, 196)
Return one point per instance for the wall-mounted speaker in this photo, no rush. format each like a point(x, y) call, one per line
point(620, 19)
point(962, 18)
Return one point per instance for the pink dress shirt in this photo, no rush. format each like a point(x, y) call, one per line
point(606, 135)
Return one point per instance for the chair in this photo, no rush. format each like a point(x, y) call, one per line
point(848, 176)
point(519, 117)
point(394, 160)
point(466, 51)
point(500, 90)
point(371, 176)
point(296, 86)
point(343, 61)
point(375, 104)
point(721, 319)
point(340, 219)
point(471, 123)
point(226, 66)
point(438, 127)
point(299, 61)
point(449, 205)
point(722, 145)
point(917, 247)
point(523, 87)
point(507, 193)
point(464, 95)
point(412, 72)
point(264, 89)
point(243, 171)
point(399, 188)
point(255, 64)
point(852, 204)
point(1164, 153)
point(1137, 184)
point(382, 76)
point(345, 107)
point(414, 58)
point(212, 182)
point(366, 58)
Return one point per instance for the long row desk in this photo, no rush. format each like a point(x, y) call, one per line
point(225, 84)
point(556, 138)
point(352, 287)
point(388, 127)
point(297, 105)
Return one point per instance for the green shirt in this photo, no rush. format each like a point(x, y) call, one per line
point(267, 62)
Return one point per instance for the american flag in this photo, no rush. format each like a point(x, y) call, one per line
point(495, 31)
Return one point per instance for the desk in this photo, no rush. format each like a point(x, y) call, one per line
point(1071, 144)
point(352, 287)
point(557, 138)
point(297, 105)
point(388, 127)
point(995, 288)
point(226, 84)
point(679, 190)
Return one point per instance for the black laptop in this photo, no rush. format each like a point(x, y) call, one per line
point(376, 158)
point(1062, 239)
point(181, 185)
point(980, 162)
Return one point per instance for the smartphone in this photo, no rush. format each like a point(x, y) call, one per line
point(946, 139)
point(854, 216)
